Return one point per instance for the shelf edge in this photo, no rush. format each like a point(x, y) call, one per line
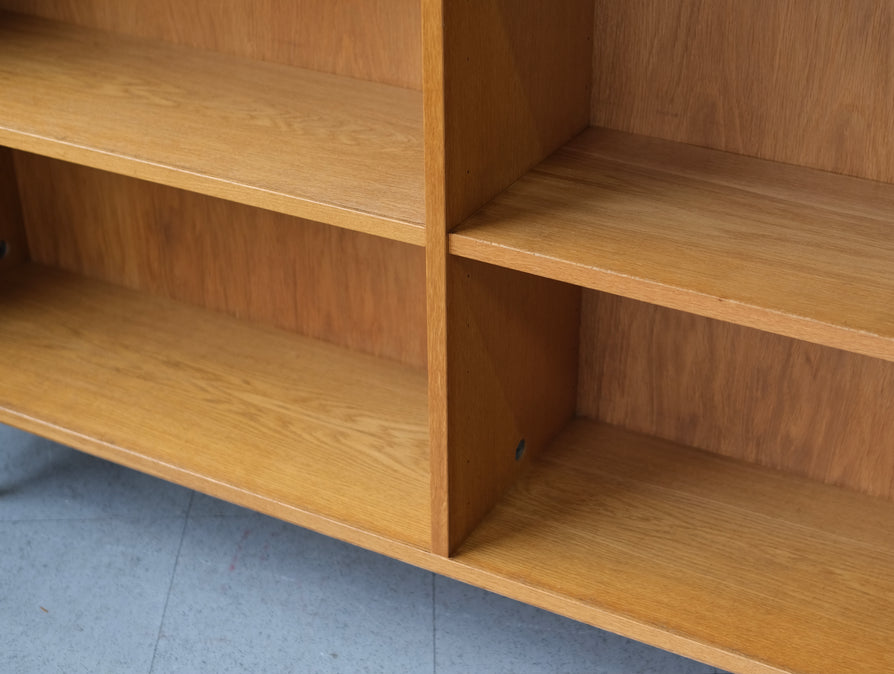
point(672, 297)
point(457, 567)
point(369, 223)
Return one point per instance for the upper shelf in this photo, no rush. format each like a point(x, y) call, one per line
point(781, 248)
point(333, 149)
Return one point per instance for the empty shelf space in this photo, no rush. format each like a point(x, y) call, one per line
point(328, 148)
point(781, 248)
point(690, 551)
point(325, 437)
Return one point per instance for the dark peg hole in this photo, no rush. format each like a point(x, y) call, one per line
point(520, 450)
point(4, 249)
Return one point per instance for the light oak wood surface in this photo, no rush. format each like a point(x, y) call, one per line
point(377, 40)
point(319, 146)
point(436, 267)
point(739, 566)
point(512, 381)
point(806, 82)
point(333, 438)
point(798, 407)
point(349, 288)
point(800, 252)
point(509, 99)
point(622, 531)
point(497, 100)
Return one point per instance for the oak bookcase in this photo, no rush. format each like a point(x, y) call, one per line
point(589, 303)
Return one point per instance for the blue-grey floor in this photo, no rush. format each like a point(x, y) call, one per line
point(104, 569)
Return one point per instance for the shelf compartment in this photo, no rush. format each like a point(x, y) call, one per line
point(790, 250)
point(689, 551)
point(325, 437)
point(328, 148)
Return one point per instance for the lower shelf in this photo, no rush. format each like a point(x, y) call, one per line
point(694, 553)
point(735, 565)
point(316, 434)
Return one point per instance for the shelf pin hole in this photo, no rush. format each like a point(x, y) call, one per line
point(520, 450)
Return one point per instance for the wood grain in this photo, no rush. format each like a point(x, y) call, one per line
point(498, 97)
point(13, 243)
point(216, 403)
point(318, 146)
point(512, 380)
point(807, 409)
point(512, 93)
point(352, 289)
point(789, 250)
point(798, 81)
point(376, 40)
point(436, 268)
point(737, 566)
point(741, 567)
point(622, 531)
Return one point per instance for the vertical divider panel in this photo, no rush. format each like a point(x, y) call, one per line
point(13, 243)
point(505, 82)
point(436, 263)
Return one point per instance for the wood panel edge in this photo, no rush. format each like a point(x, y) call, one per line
point(436, 266)
point(456, 567)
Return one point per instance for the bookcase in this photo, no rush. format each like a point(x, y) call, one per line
point(589, 303)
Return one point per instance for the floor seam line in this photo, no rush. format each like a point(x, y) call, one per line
point(164, 610)
point(434, 625)
point(104, 518)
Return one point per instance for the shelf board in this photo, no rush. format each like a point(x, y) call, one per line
point(781, 248)
point(328, 148)
point(316, 434)
point(691, 551)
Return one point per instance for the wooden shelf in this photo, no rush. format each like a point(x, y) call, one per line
point(782, 248)
point(726, 562)
point(323, 147)
point(325, 437)
point(691, 552)
point(666, 544)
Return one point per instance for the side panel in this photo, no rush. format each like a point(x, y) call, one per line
point(13, 244)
